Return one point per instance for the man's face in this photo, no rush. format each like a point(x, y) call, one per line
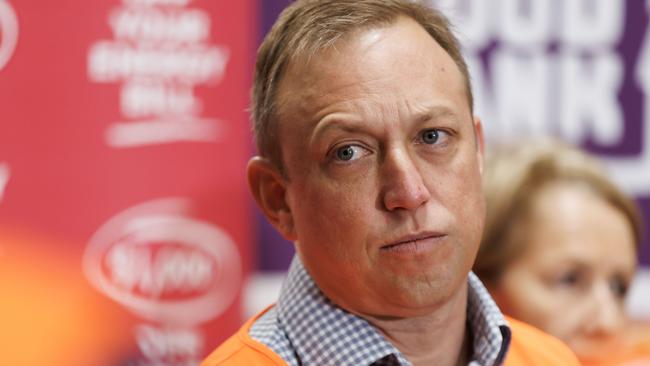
point(384, 182)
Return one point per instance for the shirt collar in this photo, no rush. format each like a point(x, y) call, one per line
point(324, 334)
point(490, 331)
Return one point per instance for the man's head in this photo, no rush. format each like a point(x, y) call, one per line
point(380, 185)
point(309, 26)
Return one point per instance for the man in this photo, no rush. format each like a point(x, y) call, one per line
point(370, 161)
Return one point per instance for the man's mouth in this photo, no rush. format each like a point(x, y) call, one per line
point(414, 243)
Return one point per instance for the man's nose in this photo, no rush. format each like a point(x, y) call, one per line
point(403, 186)
point(607, 315)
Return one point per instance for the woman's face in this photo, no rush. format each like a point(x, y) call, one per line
point(573, 277)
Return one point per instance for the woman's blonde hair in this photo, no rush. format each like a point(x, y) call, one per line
point(513, 176)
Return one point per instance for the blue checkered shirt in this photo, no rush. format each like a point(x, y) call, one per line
point(306, 328)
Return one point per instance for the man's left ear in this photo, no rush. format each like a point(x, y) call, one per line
point(480, 142)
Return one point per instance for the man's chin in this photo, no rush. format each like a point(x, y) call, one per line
point(418, 296)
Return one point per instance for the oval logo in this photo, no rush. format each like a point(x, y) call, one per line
point(164, 265)
point(8, 32)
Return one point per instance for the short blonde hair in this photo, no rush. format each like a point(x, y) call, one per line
point(307, 26)
point(513, 177)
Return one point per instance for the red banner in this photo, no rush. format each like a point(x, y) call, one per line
point(124, 217)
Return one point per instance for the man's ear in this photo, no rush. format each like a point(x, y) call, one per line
point(480, 142)
point(269, 188)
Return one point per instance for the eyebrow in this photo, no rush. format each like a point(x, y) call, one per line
point(436, 112)
point(352, 125)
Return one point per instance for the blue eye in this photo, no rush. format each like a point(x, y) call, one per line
point(430, 136)
point(346, 153)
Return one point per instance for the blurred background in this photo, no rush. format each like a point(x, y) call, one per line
point(127, 234)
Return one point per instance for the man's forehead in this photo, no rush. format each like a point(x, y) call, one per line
point(338, 65)
point(309, 67)
point(357, 40)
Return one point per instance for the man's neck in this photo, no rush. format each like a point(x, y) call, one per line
point(438, 338)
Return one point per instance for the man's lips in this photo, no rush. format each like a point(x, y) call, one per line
point(414, 243)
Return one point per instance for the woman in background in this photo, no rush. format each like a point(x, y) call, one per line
point(560, 250)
